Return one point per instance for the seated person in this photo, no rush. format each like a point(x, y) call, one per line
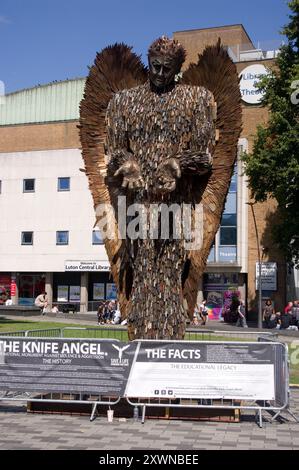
point(285, 321)
point(117, 317)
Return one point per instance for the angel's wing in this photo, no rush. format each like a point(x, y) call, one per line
point(115, 68)
point(216, 72)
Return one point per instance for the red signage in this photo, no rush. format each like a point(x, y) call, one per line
point(13, 288)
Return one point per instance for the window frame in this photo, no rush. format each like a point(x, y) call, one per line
point(92, 239)
point(68, 238)
point(22, 238)
point(28, 190)
point(60, 190)
point(225, 227)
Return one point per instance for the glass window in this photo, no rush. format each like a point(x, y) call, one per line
point(211, 257)
point(62, 237)
point(228, 236)
point(231, 204)
point(97, 237)
point(27, 238)
point(28, 186)
point(228, 254)
point(234, 182)
point(229, 220)
point(63, 184)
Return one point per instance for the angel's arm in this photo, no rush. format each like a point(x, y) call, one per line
point(117, 142)
point(122, 162)
point(198, 159)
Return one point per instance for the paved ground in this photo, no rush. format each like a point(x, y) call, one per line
point(19, 430)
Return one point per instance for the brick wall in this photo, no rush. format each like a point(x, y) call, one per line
point(195, 41)
point(52, 136)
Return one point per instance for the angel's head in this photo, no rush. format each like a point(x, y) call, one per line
point(165, 58)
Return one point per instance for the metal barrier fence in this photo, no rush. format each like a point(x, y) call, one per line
point(280, 404)
point(121, 333)
point(280, 368)
point(65, 398)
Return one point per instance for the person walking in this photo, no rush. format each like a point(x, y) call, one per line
point(203, 312)
point(241, 315)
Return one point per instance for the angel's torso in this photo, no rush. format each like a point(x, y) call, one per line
point(155, 126)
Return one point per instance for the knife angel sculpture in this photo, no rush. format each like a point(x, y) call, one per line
point(159, 148)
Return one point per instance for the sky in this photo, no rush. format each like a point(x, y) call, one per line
point(46, 40)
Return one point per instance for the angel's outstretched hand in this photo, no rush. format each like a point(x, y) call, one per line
point(130, 172)
point(167, 174)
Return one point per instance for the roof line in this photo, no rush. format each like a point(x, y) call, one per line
point(217, 27)
point(55, 82)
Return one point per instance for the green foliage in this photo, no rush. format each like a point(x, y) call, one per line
point(273, 166)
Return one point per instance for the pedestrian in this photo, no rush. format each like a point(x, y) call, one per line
point(285, 321)
point(295, 313)
point(110, 311)
point(268, 311)
point(241, 315)
point(288, 308)
point(41, 302)
point(203, 312)
point(117, 316)
point(100, 313)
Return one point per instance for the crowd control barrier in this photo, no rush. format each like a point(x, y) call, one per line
point(231, 375)
point(249, 376)
point(60, 370)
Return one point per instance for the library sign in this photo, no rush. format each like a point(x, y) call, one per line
point(249, 77)
point(88, 266)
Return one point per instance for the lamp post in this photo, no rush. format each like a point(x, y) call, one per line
point(260, 323)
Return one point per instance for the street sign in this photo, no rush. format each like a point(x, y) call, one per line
point(269, 276)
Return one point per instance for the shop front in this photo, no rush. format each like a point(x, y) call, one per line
point(218, 290)
point(84, 284)
point(5, 287)
point(30, 286)
point(100, 287)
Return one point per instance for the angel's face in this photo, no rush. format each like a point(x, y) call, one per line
point(162, 70)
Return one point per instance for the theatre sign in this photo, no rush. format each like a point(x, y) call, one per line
point(88, 266)
point(249, 78)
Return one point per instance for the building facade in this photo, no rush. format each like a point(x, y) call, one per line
point(47, 236)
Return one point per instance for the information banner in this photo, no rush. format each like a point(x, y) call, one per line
point(98, 291)
point(201, 370)
point(111, 291)
point(63, 293)
point(74, 293)
point(65, 366)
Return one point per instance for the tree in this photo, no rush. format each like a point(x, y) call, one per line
point(273, 166)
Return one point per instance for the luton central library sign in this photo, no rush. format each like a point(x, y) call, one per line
point(86, 266)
